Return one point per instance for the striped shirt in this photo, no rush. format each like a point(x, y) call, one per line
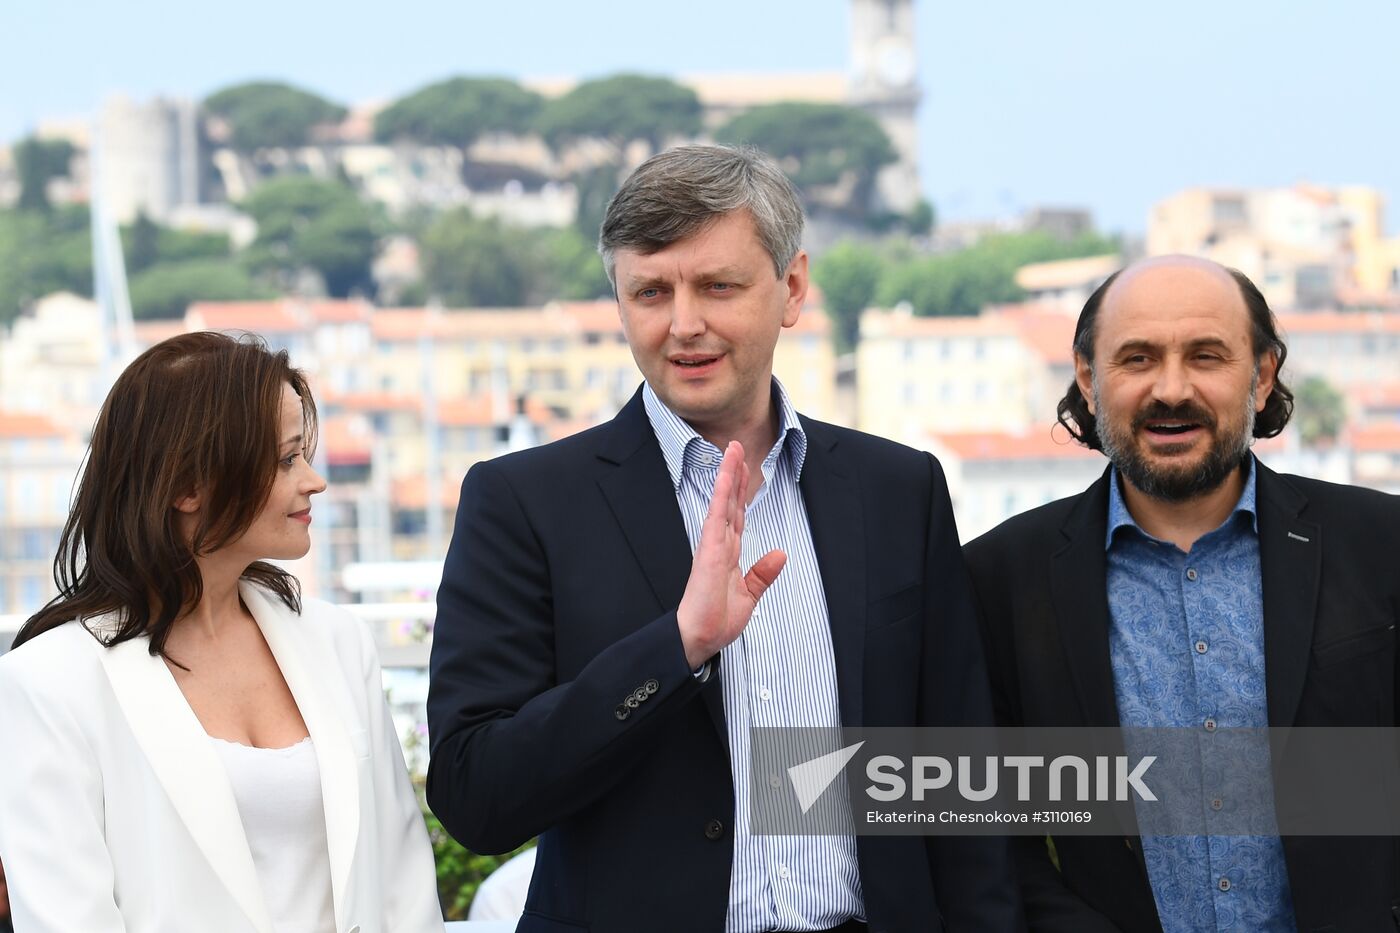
point(780, 672)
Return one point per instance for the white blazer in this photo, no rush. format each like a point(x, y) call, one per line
point(116, 813)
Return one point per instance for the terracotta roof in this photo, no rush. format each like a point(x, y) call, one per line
point(1376, 395)
point(338, 312)
point(405, 324)
point(150, 333)
point(412, 493)
point(1047, 331)
point(371, 401)
point(893, 324)
point(558, 430)
point(1035, 445)
point(26, 425)
point(592, 316)
point(479, 411)
point(1378, 437)
point(260, 317)
point(346, 439)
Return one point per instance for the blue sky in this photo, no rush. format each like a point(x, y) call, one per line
point(1099, 104)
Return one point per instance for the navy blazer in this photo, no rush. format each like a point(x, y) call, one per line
point(558, 602)
point(1330, 561)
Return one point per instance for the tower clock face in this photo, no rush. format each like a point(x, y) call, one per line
point(894, 61)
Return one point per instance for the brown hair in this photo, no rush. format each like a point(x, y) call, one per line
point(1073, 410)
point(678, 192)
point(197, 411)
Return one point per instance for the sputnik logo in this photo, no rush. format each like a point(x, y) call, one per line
point(811, 778)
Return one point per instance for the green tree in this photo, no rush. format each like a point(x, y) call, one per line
point(921, 219)
point(166, 289)
point(595, 187)
point(481, 262)
point(457, 111)
point(567, 267)
point(964, 282)
point(306, 223)
point(42, 253)
point(141, 243)
point(818, 144)
point(619, 109)
point(848, 274)
point(145, 243)
point(459, 870)
point(471, 262)
point(270, 114)
point(1320, 411)
point(37, 161)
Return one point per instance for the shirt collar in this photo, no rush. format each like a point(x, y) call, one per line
point(1120, 517)
point(681, 444)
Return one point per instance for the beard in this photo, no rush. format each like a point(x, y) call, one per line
point(1165, 481)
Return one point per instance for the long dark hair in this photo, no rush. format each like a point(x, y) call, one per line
point(1073, 410)
point(197, 411)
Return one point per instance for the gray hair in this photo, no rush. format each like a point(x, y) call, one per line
point(676, 193)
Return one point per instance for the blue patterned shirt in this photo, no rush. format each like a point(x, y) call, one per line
point(781, 671)
point(1187, 646)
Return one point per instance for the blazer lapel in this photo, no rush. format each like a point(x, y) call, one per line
point(643, 501)
point(831, 494)
point(1079, 591)
point(187, 767)
point(323, 713)
point(1290, 558)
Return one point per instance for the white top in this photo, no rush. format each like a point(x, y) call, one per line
point(501, 896)
point(278, 791)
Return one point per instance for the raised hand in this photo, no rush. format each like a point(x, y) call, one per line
point(718, 599)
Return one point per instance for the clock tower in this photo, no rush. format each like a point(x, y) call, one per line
point(883, 82)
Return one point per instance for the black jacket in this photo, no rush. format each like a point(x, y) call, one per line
point(558, 601)
point(1330, 560)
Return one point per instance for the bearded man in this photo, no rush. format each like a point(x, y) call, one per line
point(1192, 587)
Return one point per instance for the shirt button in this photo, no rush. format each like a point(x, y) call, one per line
point(774, 781)
point(1210, 725)
point(783, 871)
point(1217, 803)
point(764, 693)
point(1201, 647)
point(1224, 884)
point(1191, 573)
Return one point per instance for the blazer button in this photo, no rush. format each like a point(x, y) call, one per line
point(631, 702)
point(622, 712)
point(651, 686)
point(714, 829)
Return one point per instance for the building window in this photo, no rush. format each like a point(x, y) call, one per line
point(31, 593)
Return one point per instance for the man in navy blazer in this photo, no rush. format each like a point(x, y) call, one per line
point(1193, 588)
point(600, 655)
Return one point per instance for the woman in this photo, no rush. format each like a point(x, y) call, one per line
point(190, 745)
